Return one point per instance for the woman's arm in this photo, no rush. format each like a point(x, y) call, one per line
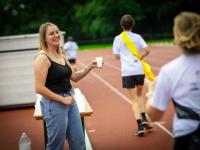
point(158, 103)
point(154, 113)
point(41, 66)
point(76, 76)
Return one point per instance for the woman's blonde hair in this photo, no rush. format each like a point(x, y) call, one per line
point(187, 32)
point(42, 37)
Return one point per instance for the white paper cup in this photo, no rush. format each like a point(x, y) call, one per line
point(99, 61)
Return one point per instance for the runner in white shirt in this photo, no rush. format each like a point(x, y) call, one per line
point(132, 70)
point(179, 81)
point(71, 48)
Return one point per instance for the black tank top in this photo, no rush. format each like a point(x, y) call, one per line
point(58, 77)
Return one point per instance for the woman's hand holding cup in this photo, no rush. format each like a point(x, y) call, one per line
point(99, 61)
point(96, 63)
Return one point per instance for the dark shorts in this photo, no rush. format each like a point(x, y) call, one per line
point(133, 81)
point(72, 61)
point(190, 141)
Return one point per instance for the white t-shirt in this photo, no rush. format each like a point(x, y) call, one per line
point(180, 80)
point(71, 47)
point(130, 65)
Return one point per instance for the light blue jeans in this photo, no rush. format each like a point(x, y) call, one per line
point(62, 122)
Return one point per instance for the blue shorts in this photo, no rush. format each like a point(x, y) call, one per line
point(132, 81)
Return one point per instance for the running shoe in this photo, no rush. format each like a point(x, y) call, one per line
point(140, 131)
point(146, 125)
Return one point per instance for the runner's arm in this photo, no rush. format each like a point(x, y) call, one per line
point(145, 52)
point(117, 56)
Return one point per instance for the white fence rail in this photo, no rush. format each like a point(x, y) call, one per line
point(22, 42)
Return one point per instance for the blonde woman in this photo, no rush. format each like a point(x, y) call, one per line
point(52, 80)
point(179, 81)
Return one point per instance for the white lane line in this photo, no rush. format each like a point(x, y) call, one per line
point(165, 129)
point(114, 67)
point(109, 85)
point(160, 122)
point(124, 97)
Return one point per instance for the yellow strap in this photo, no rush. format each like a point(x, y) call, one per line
point(133, 49)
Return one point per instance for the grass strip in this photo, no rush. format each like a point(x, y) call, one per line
point(109, 45)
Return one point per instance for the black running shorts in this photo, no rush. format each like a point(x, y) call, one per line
point(133, 81)
point(72, 61)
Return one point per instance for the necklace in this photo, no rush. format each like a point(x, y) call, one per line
point(57, 59)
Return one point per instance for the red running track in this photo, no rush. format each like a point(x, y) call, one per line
point(112, 126)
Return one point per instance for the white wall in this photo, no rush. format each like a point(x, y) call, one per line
point(22, 42)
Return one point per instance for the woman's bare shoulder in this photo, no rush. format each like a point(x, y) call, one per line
point(42, 56)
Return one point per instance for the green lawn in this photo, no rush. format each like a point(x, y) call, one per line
point(109, 45)
point(162, 41)
point(95, 46)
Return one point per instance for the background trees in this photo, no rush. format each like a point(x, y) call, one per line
point(92, 19)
